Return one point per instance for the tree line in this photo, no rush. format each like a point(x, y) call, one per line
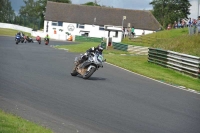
point(32, 14)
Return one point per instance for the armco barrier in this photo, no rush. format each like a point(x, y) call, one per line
point(15, 27)
point(103, 44)
point(182, 62)
point(120, 46)
point(88, 39)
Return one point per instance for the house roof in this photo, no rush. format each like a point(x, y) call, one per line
point(83, 14)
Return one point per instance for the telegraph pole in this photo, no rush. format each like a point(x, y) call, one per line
point(198, 9)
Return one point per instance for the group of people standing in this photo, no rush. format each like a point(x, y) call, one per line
point(128, 32)
point(195, 23)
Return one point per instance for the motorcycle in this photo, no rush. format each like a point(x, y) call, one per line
point(28, 39)
point(46, 41)
point(38, 39)
point(17, 39)
point(88, 67)
point(22, 39)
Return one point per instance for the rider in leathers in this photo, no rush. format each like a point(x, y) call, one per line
point(88, 52)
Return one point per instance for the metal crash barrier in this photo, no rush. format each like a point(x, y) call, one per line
point(181, 62)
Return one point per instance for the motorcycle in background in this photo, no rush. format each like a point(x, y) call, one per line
point(46, 41)
point(17, 39)
point(38, 39)
point(28, 39)
point(88, 67)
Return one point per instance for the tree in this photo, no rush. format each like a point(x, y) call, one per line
point(95, 3)
point(168, 11)
point(91, 4)
point(34, 10)
point(62, 1)
point(7, 14)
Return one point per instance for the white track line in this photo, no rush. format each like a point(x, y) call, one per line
point(179, 87)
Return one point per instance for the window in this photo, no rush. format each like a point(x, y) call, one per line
point(81, 26)
point(85, 34)
point(54, 23)
point(59, 23)
point(101, 28)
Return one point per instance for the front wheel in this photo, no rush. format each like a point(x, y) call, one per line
point(74, 73)
point(89, 73)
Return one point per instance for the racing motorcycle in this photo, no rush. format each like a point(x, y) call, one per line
point(88, 67)
point(22, 39)
point(17, 39)
point(46, 41)
point(28, 39)
point(38, 39)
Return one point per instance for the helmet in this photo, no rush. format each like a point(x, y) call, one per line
point(100, 49)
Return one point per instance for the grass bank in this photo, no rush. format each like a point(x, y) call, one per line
point(9, 32)
point(13, 124)
point(139, 64)
point(177, 40)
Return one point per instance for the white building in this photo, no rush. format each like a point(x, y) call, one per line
point(62, 19)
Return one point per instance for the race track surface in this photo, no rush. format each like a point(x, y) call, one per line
point(35, 83)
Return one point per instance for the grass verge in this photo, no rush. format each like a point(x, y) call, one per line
point(14, 124)
point(9, 32)
point(140, 65)
point(176, 40)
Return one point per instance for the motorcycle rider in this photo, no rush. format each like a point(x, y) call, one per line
point(88, 52)
point(28, 38)
point(22, 34)
point(47, 37)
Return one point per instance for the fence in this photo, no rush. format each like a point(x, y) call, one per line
point(120, 46)
point(34, 23)
point(182, 62)
point(15, 27)
point(88, 39)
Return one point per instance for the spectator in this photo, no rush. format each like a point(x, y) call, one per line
point(169, 27)
point(126, 32)
point(198, 25)
point(132, 31)
point(175, 25)
point(183, 23)
point(194, 22)
point(179, 25)
point(189, 22)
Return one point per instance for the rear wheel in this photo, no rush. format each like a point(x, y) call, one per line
point(89, 73)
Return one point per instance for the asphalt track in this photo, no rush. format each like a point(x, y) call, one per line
point(35, 83)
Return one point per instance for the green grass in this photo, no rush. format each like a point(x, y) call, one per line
point(13, 124)
point(9, 32)
point(140, 65)
point(176, 40)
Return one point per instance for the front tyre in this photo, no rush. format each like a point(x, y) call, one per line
point(74, 73)
point(89, 73)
